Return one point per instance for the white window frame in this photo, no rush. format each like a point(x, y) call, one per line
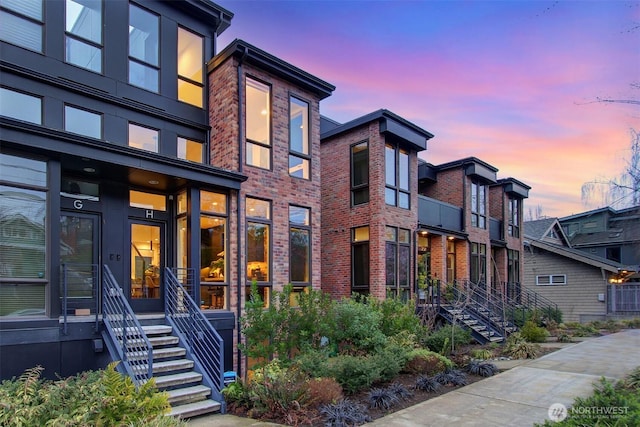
point(551, 279)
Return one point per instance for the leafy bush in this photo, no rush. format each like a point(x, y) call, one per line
point(354, 373)
point(581, 330)
point(91, 398)
point(357, 328)
point(533, 333)
point(236, 393)
point(631, 323)
point(632, 380)
point(398, 316)
point(323, 391)
point(563, 336)
point(483, 369)
point(344, 413)
point(437, 339)
point(606, 395)
point(428, 384)
point(423, 361)
point(518, 348)
point(276, 391)
point(389, 361)
point(315, 363)
point(481, 353)
point(382, 398)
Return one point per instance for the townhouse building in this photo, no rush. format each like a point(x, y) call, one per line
point(470, 225)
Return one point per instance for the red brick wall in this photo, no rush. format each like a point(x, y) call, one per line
point(449, 187)
point(339, 217)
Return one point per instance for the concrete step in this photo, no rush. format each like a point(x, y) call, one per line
point(158, 353)
point(180, 396)
point(172, 380)
point(194, 409)
point(155, 330)
point(166, 366)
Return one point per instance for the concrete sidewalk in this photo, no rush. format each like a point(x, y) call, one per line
point(522, 395)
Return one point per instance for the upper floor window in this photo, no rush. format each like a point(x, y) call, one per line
point(83, 37)
point(144, 47)
point(513, 267)
point(258, 123)
point(514, 217)
point(22, 23)
point(299, 244)
point(190, 150)
point(299, 157)
point(82, 122)
point(397, 192)
point(190, 64)
point(143, 200)
point(20, 106)
point(143, 138)
point(478, 205)
point(360, 173)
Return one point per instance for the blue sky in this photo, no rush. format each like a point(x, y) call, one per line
point(514, 83)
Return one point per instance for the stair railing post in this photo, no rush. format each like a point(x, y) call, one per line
point(124, 330)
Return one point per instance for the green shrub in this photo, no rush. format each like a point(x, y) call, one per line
point(315, 363)
point(357, 327)
point(518, 348)
point(581, 330)
point(436, 340)
point(389, 361)
point(92, 398)
point(606, 395)
point(481, 353)
point(533, 333)
point(631, 323)
point(563, 336)
point(354, 373)
point(398, 316)
point(427, 362)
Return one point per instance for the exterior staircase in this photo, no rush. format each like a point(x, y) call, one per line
point(175, 374)
point(484, 328)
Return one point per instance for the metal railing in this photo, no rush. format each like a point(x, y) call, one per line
point(200, 339)
point(623, 298)
point(525, 300)
point(129, 340)
point(484, 305)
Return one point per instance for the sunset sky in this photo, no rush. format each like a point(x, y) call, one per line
point(513, 83)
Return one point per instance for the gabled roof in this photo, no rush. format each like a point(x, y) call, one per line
point(587, 213)
point(581, 256)
point(539, 230)
point(390, 124)
point(250, 54)
point(628, 232)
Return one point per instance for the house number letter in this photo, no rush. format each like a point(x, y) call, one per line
point(149, 213)
point(77, 204)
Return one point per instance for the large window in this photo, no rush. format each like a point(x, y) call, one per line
point(190, 150)
point(513, 267)
point(397, 191)
point(478, 205)
point(22, 23)
point(360, 173)
point(299, 153)
point(143, 138)
point(144, 48)
point(258, 214)
point(478, 263)
point(213, 243)
point(299, 245)
point(397, 262)
point(360, 260)
point(83, 34)
point(258, 122)
point(82, 122)
point(451, 260)
point(20, 106)
point(514, 217)
point(23, 209)
point(190, 64)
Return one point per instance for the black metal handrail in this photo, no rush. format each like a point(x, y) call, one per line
point(88, 274)
point(523, 300)
point(130, 342)
point(200, 339)
point(476, 298)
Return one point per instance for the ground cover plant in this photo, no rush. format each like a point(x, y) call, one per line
point(99, 398)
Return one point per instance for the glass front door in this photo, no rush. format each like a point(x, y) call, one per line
point(147, 263)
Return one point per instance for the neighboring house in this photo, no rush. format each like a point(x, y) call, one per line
point(585, 287)
point(470, 224)
point(369, 204)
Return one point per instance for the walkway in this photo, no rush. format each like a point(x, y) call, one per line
point(520, 396)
